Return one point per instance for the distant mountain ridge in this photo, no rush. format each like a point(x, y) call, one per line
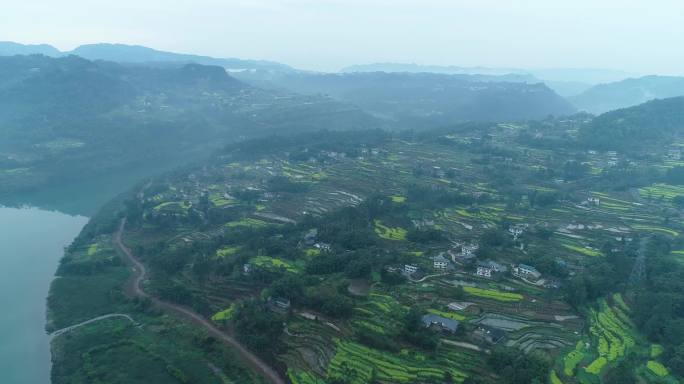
point(629, 92)
point(565, 81)
point(423, 100)
point(137, 54)
point(586, 75)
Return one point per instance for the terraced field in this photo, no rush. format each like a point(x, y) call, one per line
point(361, 365)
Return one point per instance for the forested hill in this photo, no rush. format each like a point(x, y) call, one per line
point(419, 100)
point(69, 119)
point(654, 122)
point(626, 93)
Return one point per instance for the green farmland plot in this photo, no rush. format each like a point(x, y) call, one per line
point(657, 368)
point(493, 294)
point(273, 263)
point(586, 251)
point(226, 251)
point(664, 191)
point(389, 233)
point(226, 314)
point(654, 229)
point(573, 358)
point(359, 365)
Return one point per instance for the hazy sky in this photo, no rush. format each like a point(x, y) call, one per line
point(644, 36)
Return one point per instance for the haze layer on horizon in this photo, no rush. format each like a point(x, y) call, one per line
point(635, 36)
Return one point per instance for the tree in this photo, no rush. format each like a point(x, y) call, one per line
point(415, 333)
point(259, 328)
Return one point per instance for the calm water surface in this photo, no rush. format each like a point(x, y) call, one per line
point(31, 243)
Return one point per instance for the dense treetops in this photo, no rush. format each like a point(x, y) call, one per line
point(629, 128)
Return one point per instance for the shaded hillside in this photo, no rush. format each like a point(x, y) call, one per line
point(422, 100)
point(652, 123)
point(606, 97)
point(70, 119)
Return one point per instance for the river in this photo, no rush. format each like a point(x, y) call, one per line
point(31, 243)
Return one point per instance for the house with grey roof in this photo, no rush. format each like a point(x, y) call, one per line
point(438, 322)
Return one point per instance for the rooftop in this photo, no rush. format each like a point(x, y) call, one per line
point(431, 319)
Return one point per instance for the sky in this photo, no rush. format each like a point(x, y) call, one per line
point(644, 36)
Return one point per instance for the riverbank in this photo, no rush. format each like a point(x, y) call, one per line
point(32, 242)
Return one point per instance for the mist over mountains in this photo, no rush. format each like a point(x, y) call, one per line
point(564, 81)
point(69, 118)
point(423, 100)
point(104, 107)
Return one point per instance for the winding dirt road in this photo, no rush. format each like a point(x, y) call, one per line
point(133, 288)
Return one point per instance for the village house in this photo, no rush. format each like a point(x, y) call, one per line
point(410, 269)
point(526, 272)
point(469, 250)
point(594, 200)
point(462, 252)
point(440, 323)
point(488, 268)
point(440, 262)
point(483, 271)
point(247, 268)
point(325, 247)
point(516, 230)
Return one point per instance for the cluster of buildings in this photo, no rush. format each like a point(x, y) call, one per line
point(445, 325)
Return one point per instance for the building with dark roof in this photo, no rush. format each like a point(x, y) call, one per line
point(442, 323)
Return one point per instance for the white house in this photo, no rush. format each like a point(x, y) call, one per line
point(410, 269)
point(247, 268)
point(526, 272)
point(483, 271)
point(322, 246)
point(440, 262)
point(516, 231)
point(594, 200)
point(469, 249)
point(488, 268)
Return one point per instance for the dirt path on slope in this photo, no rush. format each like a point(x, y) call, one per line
point(133, 288)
